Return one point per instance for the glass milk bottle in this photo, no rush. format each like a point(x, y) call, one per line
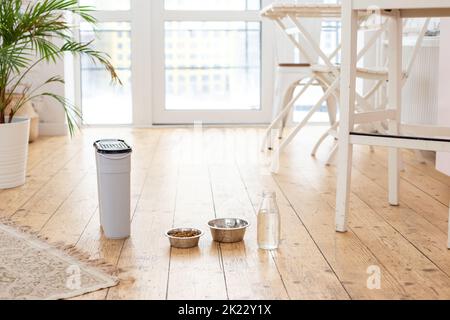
point(269, 223)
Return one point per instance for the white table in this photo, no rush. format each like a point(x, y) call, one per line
point(396, 10)
point(443, 159)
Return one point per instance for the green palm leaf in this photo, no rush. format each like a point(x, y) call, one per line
point(27, 39)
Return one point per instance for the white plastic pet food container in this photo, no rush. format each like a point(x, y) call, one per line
point(113, 177)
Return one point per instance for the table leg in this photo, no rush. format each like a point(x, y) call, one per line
point(395, 101)
point(347, 110)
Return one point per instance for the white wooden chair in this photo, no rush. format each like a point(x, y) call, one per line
point(399, 136)
point(326, 74)
point(380, 76)
point(279, 13)
point(290, 77)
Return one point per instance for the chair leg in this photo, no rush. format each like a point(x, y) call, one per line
point(401, 162)
point(394, 176)
point(309, 115)
point(322, 138)
point(395, 102)
point(284, 124)
point(319, 143)
point(267, 141)
point(332, 114)
point(275, 163)
point(347, 108)
point(287, 100)
point(345, 162)
point(331, 105)
point(332, 155)
point(332, 109)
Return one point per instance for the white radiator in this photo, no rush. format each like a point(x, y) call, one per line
point(420, 95)
point(443, 159)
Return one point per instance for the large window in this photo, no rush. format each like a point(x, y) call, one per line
point(179, 61)
point(208, 62)
point(212, 65)
point(212, 5)
point(103, 103)
point(105, 5)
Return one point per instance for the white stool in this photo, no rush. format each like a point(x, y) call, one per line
point(326, 73)
point(288, 78)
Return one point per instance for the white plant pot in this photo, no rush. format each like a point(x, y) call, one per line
point(14, 152)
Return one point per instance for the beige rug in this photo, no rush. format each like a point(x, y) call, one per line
point(31, 269)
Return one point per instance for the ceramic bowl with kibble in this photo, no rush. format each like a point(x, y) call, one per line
point(184, 238)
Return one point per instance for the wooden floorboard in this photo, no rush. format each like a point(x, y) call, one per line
point(414, 176)
point(428, 167)
point(420, 277)
point(418, 200)
point(187, 177)
point(349, 257)
point(250, 274)
point(306, 272)
point(144, 260)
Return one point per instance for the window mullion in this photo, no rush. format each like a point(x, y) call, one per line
point(211, 15)
point(112, 16)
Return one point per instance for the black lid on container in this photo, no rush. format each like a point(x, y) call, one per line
point(112, 146)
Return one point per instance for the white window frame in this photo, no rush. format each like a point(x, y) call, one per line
point(163, 116)
point(147, 18)
point(138, 17)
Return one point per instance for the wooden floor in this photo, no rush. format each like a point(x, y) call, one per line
point(183, 177)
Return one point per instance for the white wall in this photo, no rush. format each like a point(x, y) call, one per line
point(443, 159)
point(51, 113)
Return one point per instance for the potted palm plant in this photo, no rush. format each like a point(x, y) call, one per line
point(32, 33)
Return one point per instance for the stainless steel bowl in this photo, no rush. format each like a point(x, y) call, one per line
point(183, 242)
point(228, 230)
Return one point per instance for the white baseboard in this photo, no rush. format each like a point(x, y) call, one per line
point(53, 129)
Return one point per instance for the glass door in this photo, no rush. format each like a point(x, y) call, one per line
point(180, 61)
point(101, 102)
point(120, 32)
point(209, 63)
